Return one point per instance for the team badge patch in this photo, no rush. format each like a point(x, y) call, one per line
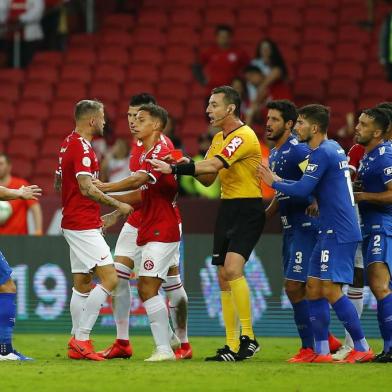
point(311, 168)
point(148, 265)
point(232, 147)
point(388, 171)
point(86, 161)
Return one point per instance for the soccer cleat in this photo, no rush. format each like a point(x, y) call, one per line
point(359, 357)
point(184, 352)
point(383, 357)
point(22, 357)
point(175, 342)
point(334, 343)
point(119, 349)
point(85, 350)
point(342, 353)
point(160, 356)
point(10, 354)
point(303, 354)
point(248, 348)
point(316, 358)
point(223, 355)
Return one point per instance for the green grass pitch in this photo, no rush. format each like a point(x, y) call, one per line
point(51, 371)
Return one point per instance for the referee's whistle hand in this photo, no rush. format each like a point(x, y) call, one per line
point(160, 166)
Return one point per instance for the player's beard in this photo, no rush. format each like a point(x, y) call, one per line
point(277, 135)
point(306, 138)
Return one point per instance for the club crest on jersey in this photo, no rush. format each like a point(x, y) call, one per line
point(388, 171)
point(232, 147)
point(382, 150)
point(86, 161)
point(148, 265)
point(311, 168)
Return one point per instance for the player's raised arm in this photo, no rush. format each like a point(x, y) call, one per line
point(127, 184)
point(25, 192)
point(88, 189)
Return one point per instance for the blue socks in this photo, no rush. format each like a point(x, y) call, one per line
point(7, 321)
point(384, 316)
point(348, 315)
point(320, 318)
point(304, 325)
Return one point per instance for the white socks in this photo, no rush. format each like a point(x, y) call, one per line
point(78, 301)
point(178, 306)
point(159, 322)
point(90, 313)
point(121, 301)
point(355, 295)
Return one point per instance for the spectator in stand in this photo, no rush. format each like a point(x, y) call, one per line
point(222, 62)
point(386, 46)
point(16, 224)
point(115, 165)
point(344, 135)
point(260, 93)
point(170, 132)
point(54, 24)
point(239, 84)
point(190, 184)
point(29, 13)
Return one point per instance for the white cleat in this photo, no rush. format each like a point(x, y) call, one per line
point(160, 356)
point(175, 342)
point(342, 353)
point(9, 357)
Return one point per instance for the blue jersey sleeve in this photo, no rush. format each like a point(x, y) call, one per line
point(386, 172)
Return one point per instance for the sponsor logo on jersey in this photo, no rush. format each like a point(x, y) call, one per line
point(86, 161)
point(388, 171)
point(376, 251)
point(340, 151)
point(324, 267)
point(294, 142)
point(382, 150)
point(297, 268)
point(148, 265)
point(232, 147)
point(311, 168)
point(343, 164)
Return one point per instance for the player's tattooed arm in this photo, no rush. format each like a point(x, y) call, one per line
point(376, 198)
point(88, 189)
point(127, 184)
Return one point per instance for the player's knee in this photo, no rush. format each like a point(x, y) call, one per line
point(232, 272)
point(8, 287)
point(313, 291)
point(379, 289)
point(294, 290)
point(110, 280)
point(145, 291)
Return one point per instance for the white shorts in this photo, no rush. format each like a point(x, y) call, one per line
point(358, 256)
point(126, 244)
point(88, 249)
point(157, 258)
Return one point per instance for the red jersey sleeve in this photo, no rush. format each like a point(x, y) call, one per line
point(81, 158)
point(160, 150)
point(354, 157)
point(168, 142)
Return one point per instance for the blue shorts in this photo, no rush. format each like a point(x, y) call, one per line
point(5, 270)
point(377, 248)
point(297, 248)
point(332, 260)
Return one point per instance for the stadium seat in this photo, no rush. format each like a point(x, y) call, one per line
point(177, 72)
point(117, 39)
point(59, 127)
point(352, 14)
point(121, 127)
point(22, 148)
point(33, 109)
point(45, 182)
point(63, 108)
point(375, 70)
point(42, 73)
point(189, 4)
point(46, 167)
point(134, 87)
point(288, 17)
point(319, 34)
point(183, 35)
point(290, 55)
point(309, 90)
point(38, 90)
point(48, 58)
point(313, 70)
point(172, 89)
point(194, 127)
point(353, 34)
point(144, 72)
point(7, 111)
point(247, 35)
point(174, 106)
point(208, 36)
point(109, 73)
point(191, 144)
point(81, 57)
point(347, 69)
point(196, 90)
point(21, 166)
point(376, 88)
point(340, 107)
point(351, 51)
point(11, 75)
point(146, 55)
point(28, 128)
point(196, 107)
point(149, 36)
point(71, 90)
point(219, 15)
point(343, 88)
point(316, 52)
point(5, 131)
point(105, 91)
point(369, 102)
point(185, 17)
point(179, 54)
point(76, 73)
point(284, 35)
point(123, 22)
point(113, 56)
point(251, 18)
point(9, 91)
point(152, 17)
point(50, 146)
point(320, 17)
point(83, 40)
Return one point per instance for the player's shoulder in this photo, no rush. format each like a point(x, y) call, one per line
point(166, 140)
point(356, 149)
point(160, 149)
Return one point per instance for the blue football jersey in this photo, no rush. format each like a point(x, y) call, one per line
point(327, 177)
point(375, 172)
point(285, 163)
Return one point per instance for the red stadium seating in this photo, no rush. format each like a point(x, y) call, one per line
point(40, 91)
point(343, 88)
point(247, 35)
point(9, 91)
point(195, 107)
point(105, 91)
point(76, 73)
point(288, 17)
point(149, 36)
point(11, 75)
point(21, 167)
point(22, 148)
point(7, 111)
point(146, 55)
point(219, 15)
point(194, 127)
point(248, 17)
point(59, 127)
point(174, 106)
point(309, 90)
point(83, 40)
point(376, 88)
point(340, 107)
point(152, 17)
point(134, 87)
point(33, 109)
point(113, 56)
point(185, 17)
point(109, 73)
point(123, 22)
point(42, 73)
point(183, 35)
point(30, 129)
point(117, 39)
point(50, 147)
point(320, 17)
point(63, 108)
point(5, 131)
point(53, 59)
point(179, 54)
point(313, 70)
point(81, 57)
point(316, 52)
point(172, 89)
point(144, 72)
point(71, 90)
point(177, 72)
point(347, 69)
point(354, 51)
point(45, 182)
point(319, 34)
point(46, 167)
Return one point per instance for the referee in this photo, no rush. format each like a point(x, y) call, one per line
point(234, 155)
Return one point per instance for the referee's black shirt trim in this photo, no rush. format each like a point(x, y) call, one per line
point(225, 164)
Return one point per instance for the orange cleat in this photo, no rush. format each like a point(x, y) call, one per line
point(303, 354)
point(358, 357)
point(119, 349)
point(334, 343)
point(316, 358)
point(184, 352)
point(82, 349)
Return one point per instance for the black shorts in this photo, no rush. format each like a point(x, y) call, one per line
point(238, 227)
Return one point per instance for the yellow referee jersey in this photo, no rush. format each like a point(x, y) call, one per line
point(240, 153)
